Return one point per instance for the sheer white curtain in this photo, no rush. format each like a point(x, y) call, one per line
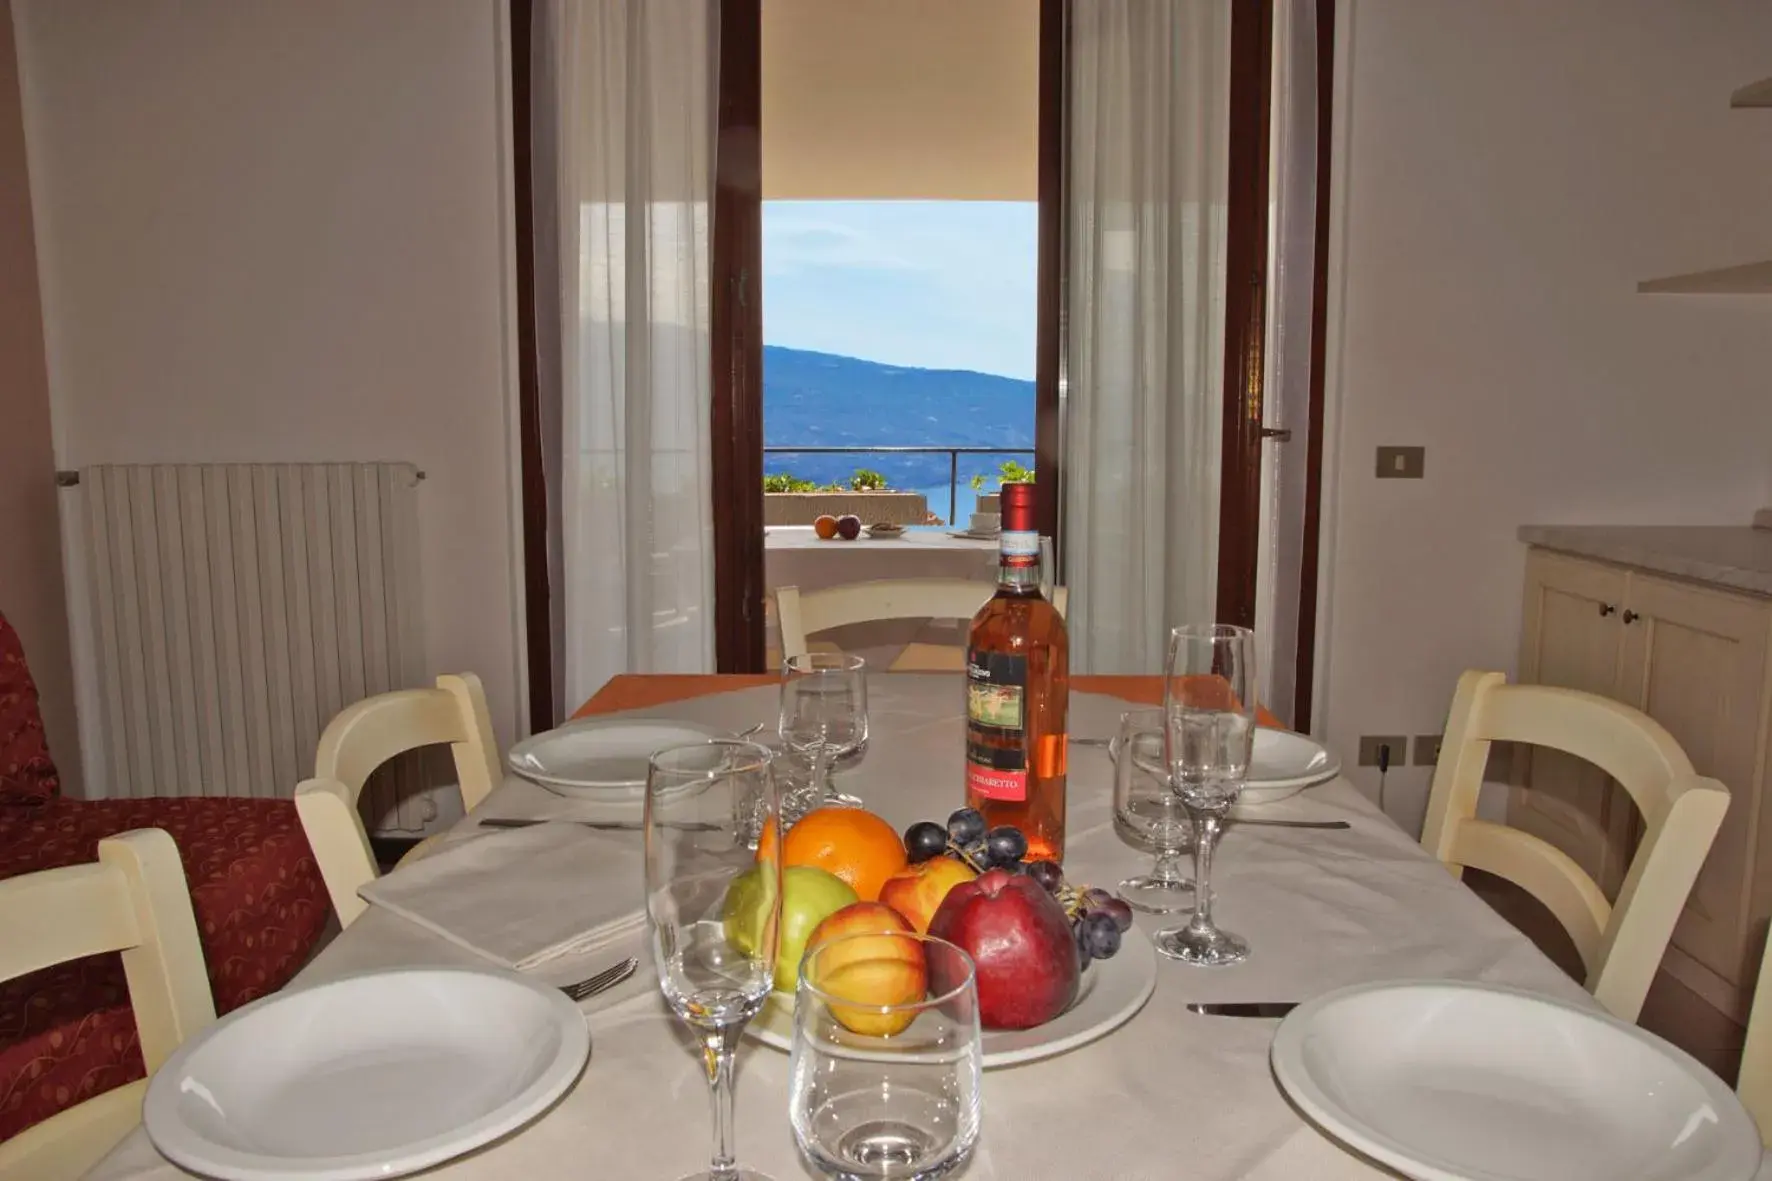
point(1292, 235)
point(624, 122)
point(1149, 118)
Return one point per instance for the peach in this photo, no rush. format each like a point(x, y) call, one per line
point(862, 954)
point(917, 890)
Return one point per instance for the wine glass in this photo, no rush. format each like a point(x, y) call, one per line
point(713, 908)
point(1148, 815)
point(1209, 703)
point(885, 1073)
point(824, 715)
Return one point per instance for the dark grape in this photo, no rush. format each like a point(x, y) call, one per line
point(1006, 843)
point(1017, 866)
point(1096, 896)
point(924, 840)
point(1098, 934)
point(1118, 910)
point(1049, 874)
point(966, 825)
point(1080, 933)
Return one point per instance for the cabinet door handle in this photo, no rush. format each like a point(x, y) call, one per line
point(1608, 608)
point(1630, 616)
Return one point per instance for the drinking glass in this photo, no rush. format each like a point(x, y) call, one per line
point(1209, 702)
point(886, 1066)
point(713, 909)
point(1150, 816)
point(824, 716)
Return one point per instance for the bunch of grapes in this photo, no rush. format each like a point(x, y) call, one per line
point(1098, 918)
point(966, 838)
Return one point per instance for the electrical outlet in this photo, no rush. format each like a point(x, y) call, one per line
point(1427, 749)
point(1401, 463)
point(1370, 743)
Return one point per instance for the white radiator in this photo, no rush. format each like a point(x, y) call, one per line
point(236, 609)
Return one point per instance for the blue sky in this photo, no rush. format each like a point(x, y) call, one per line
point(930, 284)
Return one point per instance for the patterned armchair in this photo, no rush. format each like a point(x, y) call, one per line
point(67, 1033)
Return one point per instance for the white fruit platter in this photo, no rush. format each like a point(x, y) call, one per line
point(1110, 993)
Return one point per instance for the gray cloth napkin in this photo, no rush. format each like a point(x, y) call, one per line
point(523, 897)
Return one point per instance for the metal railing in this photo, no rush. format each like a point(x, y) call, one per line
point(953, 454)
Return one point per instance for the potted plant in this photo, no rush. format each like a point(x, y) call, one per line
point(1008, 472)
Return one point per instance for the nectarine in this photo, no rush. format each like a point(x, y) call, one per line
point(917, 890)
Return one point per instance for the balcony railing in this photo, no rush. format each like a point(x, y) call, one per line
point(953, 454)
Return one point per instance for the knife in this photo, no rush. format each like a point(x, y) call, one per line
point(1243, 1008)
point(605, 825)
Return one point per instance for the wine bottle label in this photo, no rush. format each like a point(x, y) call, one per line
point(996, 725)
point(1018, 550)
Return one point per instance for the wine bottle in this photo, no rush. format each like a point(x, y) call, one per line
point(1018, 692)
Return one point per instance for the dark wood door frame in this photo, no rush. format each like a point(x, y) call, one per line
point(1051, 325)
point(1245, 308)
point(1306, 666)
point(736, 311)
point(538, 638)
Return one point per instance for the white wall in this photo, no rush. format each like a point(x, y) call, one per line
point(280, 231)
point(31, 593)
point(1506, 172)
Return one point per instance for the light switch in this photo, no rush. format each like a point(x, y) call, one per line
point(1401, 463)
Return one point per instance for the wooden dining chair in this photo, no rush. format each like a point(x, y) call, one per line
point(800, 615)
point(1621, 944)
point(362, 738)
point(133, 900)
point(1754, 1084)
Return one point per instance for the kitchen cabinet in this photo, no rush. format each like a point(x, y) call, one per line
point(1693, 657)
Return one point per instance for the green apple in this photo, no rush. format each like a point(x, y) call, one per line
point(808, 896)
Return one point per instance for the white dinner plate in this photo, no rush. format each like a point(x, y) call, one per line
point(376, 1075)
point(1471, 1082)
point(1111, 993)
point(601, 758)
point(1284, 764)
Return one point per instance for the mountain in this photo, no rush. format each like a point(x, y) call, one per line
point(824, 400)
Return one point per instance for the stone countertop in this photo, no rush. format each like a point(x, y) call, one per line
point(1738, 557)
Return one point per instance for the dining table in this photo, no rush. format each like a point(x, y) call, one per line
point(1171, 1093)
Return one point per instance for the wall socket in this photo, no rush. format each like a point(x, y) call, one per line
point(1402, 463)
point(1427, 749)
point(1370, 743)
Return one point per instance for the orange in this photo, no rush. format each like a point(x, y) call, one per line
point(766, 842)
point(854, 844)
point(825, 526)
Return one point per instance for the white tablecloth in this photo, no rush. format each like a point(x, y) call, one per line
point(1171, 1094)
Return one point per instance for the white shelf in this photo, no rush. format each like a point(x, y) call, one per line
point(1753, 279)
point(1754, 94)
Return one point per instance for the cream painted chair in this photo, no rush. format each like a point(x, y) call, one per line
point(1755, 1083)
point(362, 738)
point(1621, 944)
point(133, 900)
point(800, 615)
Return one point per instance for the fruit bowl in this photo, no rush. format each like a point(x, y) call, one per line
point(885, 530)
point(1111, 994)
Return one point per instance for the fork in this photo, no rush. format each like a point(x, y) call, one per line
point(603, 981)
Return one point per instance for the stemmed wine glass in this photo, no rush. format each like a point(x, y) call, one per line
point(824, 715)
point(1149, 815)
point(885, 1074)
point(713, 909)
point(1209, 703)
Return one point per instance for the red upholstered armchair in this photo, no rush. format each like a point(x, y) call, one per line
point(66, 1033)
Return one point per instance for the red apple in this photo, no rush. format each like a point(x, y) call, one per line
point(1021, 941)
point(848, 527)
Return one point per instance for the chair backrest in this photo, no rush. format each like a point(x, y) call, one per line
point(1755, 1082)
point(1621, 945)
point(800, 615)
point(133, 899)
point(366, 735)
